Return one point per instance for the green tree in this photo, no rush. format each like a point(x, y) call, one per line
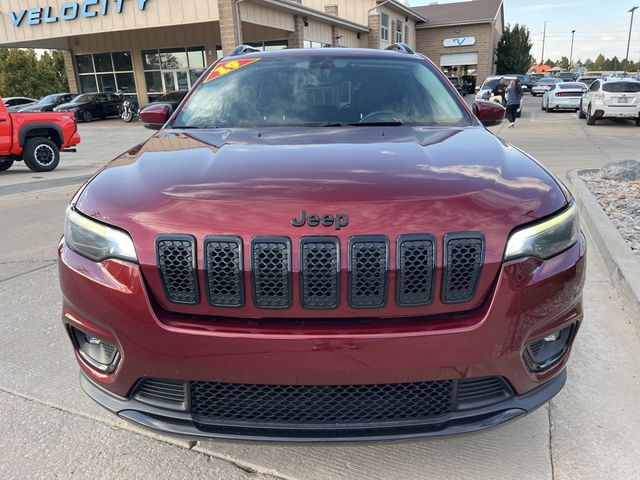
point(550, 63)
point(588, 63)
point(564, 63)
point(22, 73)
point(599, 63)
point(513, 54)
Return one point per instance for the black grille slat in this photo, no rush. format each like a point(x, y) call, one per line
point(474, 392)
point(320, 272)
point(176, 256)
point(368, 269)
point(464, 256)
point(223, 271)
point(416, 266)
point(165, 393)
point(271, 272)
point(320, 404)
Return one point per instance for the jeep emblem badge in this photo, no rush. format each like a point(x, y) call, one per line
point(339, 220)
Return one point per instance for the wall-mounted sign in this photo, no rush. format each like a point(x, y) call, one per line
point(70, 11)
point(459, 42)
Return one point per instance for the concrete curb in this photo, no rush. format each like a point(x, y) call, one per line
point(622, 264)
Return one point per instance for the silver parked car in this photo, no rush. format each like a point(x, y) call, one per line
point(563, 96)
point(14, 104)
point(543, 85)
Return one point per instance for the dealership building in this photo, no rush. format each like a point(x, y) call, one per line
point(148, 47)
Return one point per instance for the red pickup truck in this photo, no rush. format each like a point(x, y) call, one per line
point(36, 138)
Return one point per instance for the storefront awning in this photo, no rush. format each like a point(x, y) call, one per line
point(455, 59)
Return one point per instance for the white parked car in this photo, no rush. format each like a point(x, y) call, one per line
point(563, 96)
point(484, 93)
point(611, 98)
point(543, 85)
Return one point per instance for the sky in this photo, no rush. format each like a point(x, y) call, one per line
point(601, 26)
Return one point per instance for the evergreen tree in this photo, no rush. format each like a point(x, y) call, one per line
point(513, 54)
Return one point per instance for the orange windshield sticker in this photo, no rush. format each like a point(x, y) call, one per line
point(228, 67)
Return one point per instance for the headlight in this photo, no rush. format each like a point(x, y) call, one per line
point(547, 238)
point(96, 240)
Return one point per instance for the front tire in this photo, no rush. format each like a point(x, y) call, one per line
point(86, 116)
point(41, 154)
point(5, 165)
point(590, 119)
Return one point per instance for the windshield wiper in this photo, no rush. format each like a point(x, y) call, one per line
point(360, 124)
point(193, 127)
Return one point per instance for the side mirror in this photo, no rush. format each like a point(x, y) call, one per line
point(155, 116)
point(489, 113)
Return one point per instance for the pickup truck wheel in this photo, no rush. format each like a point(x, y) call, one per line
point(41, 154)
point(5, 165)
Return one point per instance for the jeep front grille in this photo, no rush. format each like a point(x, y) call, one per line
point(271, 285)
point(464, 255)
point(176, 257)
point(320, 272)
point(271, 272)
point(368, 267)
point(223, 271)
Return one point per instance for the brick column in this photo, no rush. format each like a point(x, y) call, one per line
point(228, 26)
point(374, 34)
point(70, 69)
point(295, 39)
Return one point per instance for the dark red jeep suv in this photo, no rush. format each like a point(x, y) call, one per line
point(322, 245)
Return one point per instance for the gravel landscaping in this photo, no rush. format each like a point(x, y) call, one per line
point(617, 188)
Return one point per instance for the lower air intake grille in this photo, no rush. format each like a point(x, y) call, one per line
point(474, 392)
point(223, 264)
point(319, 265)
point(416, 270)
point(368, 267)
point(464, 254)
point(320, 404)
point(162, 393)
point(271, 272)
point(177, 266)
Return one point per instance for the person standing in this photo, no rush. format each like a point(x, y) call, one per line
point(514, 98)
point(500, 90)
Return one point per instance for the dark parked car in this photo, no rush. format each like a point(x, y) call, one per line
point(48, 103)
point(172, 98)
point(89, 106)
point(322, 244)
point(566, 76)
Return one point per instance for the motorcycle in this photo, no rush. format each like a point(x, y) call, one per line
point(130, 110)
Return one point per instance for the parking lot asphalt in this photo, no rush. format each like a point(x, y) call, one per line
point(50, 429)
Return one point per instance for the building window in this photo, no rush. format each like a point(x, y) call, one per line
point(170, 69)
point(106, 72)
point(384, 27)
point(309, 44)
point(269, 45)
point(399, 31)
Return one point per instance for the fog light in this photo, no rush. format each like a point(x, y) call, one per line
point(547, 352)
point(99, 354)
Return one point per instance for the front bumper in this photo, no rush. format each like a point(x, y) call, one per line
point(455, 423)
point(530, 299)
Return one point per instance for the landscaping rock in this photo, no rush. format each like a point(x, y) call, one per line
point(626, 170)
point(617, 189)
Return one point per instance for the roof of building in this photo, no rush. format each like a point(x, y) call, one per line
point(474, 11)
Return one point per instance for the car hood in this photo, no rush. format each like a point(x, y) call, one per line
point(389, 181)
point(65, 106)
point(37, 108)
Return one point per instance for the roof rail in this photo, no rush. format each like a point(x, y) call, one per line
point(242, 49)
point(401, 47)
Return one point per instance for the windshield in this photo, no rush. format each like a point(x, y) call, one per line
point(320, 91)
point(87, 97)
point(491, 84)
point(621, 87)
point(48, 99)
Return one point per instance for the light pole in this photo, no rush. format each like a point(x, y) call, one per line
point(626, 57)
point(573, 32)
